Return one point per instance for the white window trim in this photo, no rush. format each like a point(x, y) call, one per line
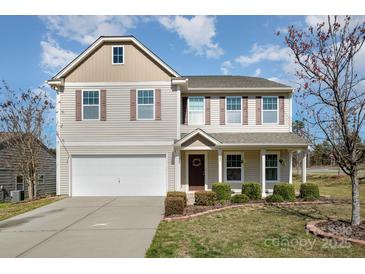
point(82, 104)
point(154, 105)
point(277, 110)
point(278, 166)
point(226, 116)
point(16, 182)
point(189, 123)
point(41, 174)
point(225, 165)
point(118, 46)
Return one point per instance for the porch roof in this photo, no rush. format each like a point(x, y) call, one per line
point(257, 139)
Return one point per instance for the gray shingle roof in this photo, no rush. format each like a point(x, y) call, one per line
point(278, 138)
point(226, 81)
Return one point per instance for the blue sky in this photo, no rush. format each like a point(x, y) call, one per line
point(33, 49)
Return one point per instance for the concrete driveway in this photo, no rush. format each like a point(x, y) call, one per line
point(83, 227)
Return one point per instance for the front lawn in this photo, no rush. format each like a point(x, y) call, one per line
point(8, 210)
point(268, 231)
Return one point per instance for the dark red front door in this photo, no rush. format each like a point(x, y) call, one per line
point(196, 172)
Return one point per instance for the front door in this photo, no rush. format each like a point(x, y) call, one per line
point(196, 172)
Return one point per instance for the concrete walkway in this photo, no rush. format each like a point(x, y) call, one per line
point(83, 227)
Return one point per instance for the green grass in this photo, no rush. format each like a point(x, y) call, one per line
point(269, 231)
point(8, 210)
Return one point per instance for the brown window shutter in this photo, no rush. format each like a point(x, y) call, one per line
point(222, 110)
point(258, 110)
point(78, 105)
point(207, 110)
point(245, 110)
point(103, 105)
point(185, 110)
point(158, 104)
point(133, 104)
point(281, 110)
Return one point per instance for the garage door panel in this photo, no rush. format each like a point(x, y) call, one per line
point(127, 175)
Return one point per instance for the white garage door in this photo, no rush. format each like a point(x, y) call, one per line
point(127, 175)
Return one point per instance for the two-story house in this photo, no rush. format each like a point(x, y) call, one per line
point(130, 125)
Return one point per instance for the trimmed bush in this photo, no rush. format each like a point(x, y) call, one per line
point(239, 199)
point(275, 198)
point(309, 191)
point(178, 194)
point(205, 198)
point(222, 190)
point(252, 190)
point(286, 191)
point(174, 206)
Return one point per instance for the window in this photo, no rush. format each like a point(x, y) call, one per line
point(196, 110)
point(271, 167)
point(146, 104)
point(234, 110)
point(269, 110)
point(90, 102)
point(118, 54)
point(234, 167)
point(19, 182)
point(40, 179)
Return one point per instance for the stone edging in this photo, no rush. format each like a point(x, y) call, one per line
point(311, 227)
point(187, 217)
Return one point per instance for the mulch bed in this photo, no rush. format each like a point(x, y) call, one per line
point(343, 229)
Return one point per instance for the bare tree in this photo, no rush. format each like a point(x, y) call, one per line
point(331, 90)
point(23, 118)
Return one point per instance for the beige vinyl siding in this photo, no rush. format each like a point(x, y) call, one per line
point(251, 167)
point(251, 127)
point(118, 126)
point(111, 150)
point(99, 68)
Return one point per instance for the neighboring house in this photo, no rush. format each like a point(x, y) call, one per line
point(131, 125)
point(11, 177)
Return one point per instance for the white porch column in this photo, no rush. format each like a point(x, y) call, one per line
point(304, 168)
point(290, 167)
point(263, 175)
point(220, 166)
point(177, 170)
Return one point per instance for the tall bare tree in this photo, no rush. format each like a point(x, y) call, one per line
point(23, 119)
point(332, 91)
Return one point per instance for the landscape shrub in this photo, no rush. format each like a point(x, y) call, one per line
point(205, 198)
point(174, 206)
point(309, 191)
point(222, 190)
point(178, 194)
point(275, 198)
point(240, 199)
point(252, 190)
point(286, 191)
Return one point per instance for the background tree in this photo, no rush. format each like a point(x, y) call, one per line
point(331, 92)
point(23, 118)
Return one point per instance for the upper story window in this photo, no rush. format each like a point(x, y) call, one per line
point(118, 54)
point(270, 109)
point(196, 110)
point(91, 106)
point(234, 110)
point(145, 104)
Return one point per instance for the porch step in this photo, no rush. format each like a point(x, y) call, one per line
point(190, 197)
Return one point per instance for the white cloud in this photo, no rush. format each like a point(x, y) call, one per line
point(198, 32)
point(53, 57)
point(266, 52)
point(257, 72)
point(86, 29)
point(226, 67)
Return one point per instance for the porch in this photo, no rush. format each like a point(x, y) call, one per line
point(266, 158)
